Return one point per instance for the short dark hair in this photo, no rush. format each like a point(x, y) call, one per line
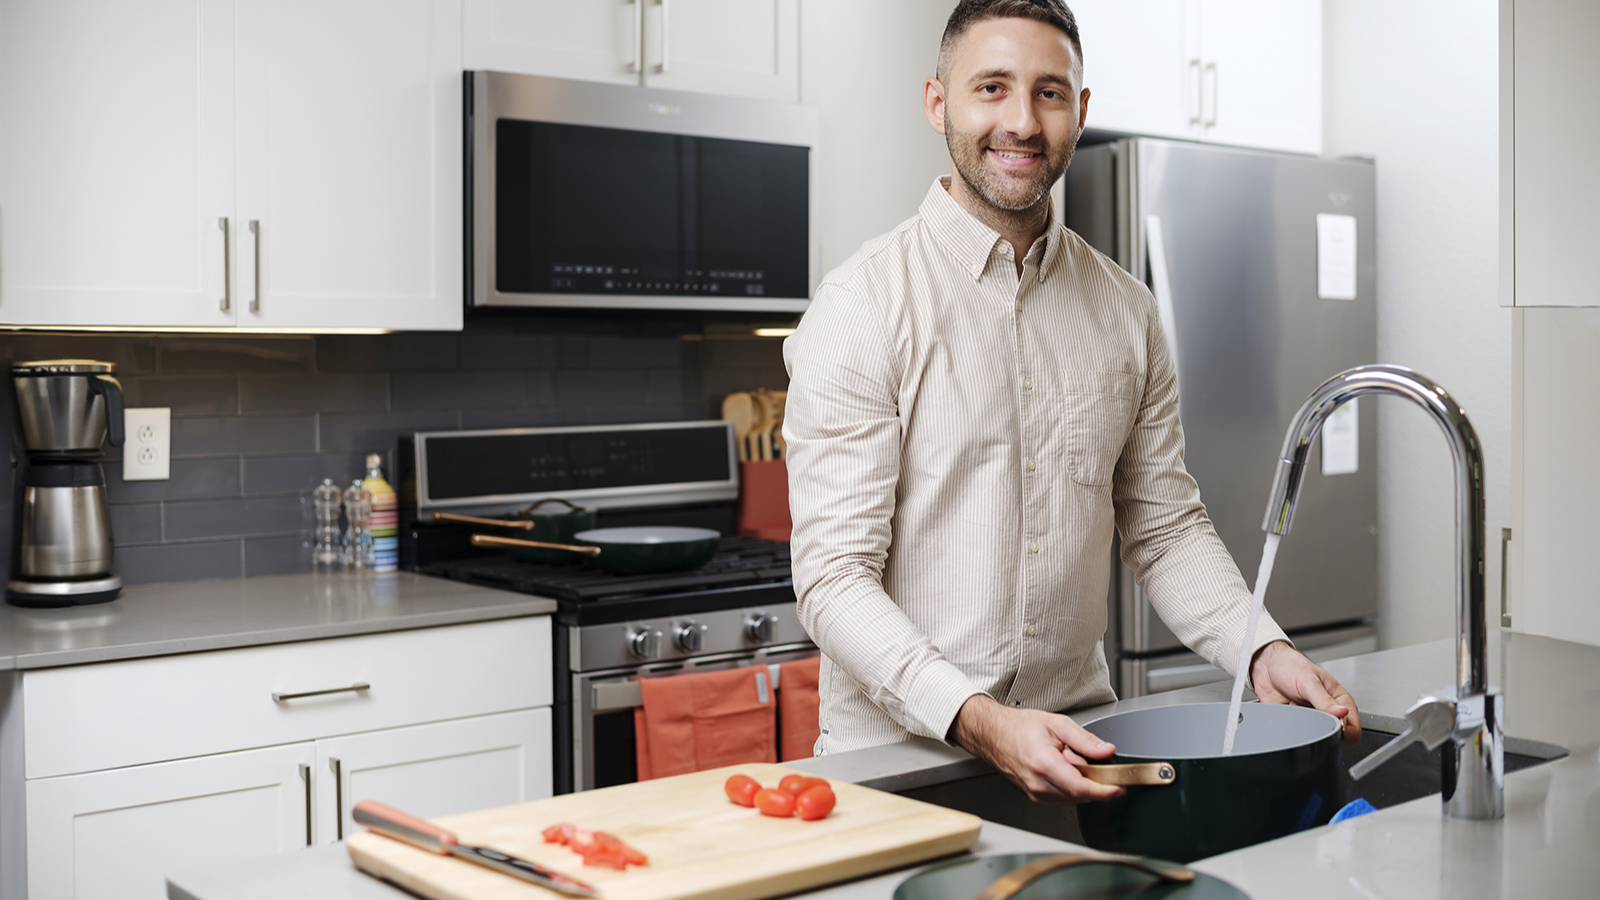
point(970, 12)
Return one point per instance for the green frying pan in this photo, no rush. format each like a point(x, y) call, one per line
point(640, 550)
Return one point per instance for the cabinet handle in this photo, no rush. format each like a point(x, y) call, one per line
point(662, 66)
point(637, 63)
point(227, 265)
point(305, 776)
point(255, 299)
point(1199, 92)
point(1212, 68)
point(338, 799)
point(1505, 611)
point(358, 686)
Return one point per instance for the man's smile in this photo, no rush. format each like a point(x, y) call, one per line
point(1013, 159)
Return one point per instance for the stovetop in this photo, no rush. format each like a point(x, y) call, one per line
point(744, 572)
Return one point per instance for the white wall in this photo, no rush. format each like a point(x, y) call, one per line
point(1415, 85)
point(862, 65)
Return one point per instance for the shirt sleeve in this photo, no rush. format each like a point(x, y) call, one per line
point(842, 427)
point(1167, 538)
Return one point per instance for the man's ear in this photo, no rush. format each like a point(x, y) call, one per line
point(1083, 110)
point(933, 103)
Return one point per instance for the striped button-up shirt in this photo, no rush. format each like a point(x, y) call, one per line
point(961, 444)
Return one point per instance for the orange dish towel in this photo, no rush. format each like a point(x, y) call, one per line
point(797, 707)
point(704, 720)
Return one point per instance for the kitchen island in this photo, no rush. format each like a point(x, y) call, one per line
point(1547, 845)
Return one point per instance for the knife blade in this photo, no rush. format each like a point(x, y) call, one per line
point(392, 823)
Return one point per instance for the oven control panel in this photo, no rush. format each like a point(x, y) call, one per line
point(646, 641)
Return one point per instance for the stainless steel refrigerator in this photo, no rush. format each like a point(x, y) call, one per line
point(1263, 266)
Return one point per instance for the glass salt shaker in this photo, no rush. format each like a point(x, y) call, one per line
point(358, 533)
point(326, 552)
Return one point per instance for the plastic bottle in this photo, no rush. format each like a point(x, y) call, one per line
point(385, 517)
point(326, 552)
point(358, 528)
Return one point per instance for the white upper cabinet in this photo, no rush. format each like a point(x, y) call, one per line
point(1241, 72)
point(349, 179)
point(744, 48)
point(152, 153)
point(116, 161)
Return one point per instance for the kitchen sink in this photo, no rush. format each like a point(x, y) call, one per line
point(1415, 771)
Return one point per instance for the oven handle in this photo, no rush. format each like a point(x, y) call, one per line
point(619, 696)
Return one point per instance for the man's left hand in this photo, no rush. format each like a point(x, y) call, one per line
point(1282, 674)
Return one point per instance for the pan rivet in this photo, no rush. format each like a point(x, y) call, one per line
point(1166, 772)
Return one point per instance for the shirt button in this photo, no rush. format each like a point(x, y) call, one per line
point(1031, 466)
point(1019, 306)
point(1027, 384)
point(1033, 546)
point(1032, 630)
point(1016, 703)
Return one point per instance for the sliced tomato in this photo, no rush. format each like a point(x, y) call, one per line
point(552, 835)
point(633, 856)
point(741, 789)
point(775, 802)
point(603, 856)
point(816, 802)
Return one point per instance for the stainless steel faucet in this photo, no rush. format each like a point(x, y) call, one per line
point(1473, 786)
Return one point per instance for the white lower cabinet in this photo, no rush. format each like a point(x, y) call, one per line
point(117, 834)
point(433, 770)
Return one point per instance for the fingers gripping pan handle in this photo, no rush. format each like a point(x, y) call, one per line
point(1017, 879)
point(1137, 773)
point(391, 822)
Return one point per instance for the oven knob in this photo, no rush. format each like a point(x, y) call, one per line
point(690, 636)
point(761, 627)
point(645, 643)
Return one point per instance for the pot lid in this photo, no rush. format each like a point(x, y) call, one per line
point(63, 367)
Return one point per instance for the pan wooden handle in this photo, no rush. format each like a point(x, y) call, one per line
point(1017, 879)
point(1136, 773)
point(521, 524)
point(491, 540)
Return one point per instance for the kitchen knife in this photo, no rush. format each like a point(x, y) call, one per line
point(391, 822)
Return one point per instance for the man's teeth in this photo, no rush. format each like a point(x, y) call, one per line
point(1014, 154)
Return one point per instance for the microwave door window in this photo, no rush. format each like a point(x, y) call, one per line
point(751, 220)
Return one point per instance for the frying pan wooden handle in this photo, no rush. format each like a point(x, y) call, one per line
point(391, 822)
point(1136, 773)
point(491, 540)
point(1017, 879)
point(520, 524)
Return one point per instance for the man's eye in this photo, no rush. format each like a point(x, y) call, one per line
point(990, 89)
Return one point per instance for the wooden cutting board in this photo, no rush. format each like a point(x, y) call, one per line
point(700, 845)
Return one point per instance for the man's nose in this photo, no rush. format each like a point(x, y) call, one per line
point(1019, 117)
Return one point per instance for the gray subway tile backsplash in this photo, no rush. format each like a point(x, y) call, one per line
point(260, 420)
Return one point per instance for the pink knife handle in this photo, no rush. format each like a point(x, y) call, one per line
point(391, 822)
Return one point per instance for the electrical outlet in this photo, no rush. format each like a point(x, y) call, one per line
point(147, 444)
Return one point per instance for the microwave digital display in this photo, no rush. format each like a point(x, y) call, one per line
point(588, 210)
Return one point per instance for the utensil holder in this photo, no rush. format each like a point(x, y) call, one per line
point(764, 499)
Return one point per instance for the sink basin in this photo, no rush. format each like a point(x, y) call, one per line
point(1415, 772)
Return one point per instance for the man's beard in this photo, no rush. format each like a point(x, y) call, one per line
point(995, 189)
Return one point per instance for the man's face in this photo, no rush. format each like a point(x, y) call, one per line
point(1010, 110)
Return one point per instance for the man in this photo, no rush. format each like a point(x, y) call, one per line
point(977, 399)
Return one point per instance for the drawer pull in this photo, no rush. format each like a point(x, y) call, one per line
point(358, 686)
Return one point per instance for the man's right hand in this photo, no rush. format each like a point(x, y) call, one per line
point(1040, 752)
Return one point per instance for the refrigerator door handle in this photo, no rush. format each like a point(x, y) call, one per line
point(1160, 285)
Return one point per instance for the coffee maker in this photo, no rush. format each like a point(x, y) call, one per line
point(67, 409)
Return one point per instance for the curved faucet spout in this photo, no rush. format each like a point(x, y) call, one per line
point(1478, 794)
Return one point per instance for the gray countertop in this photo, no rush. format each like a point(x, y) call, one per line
point(1547, 845)
point(154, 620)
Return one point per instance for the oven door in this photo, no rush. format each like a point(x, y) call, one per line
point(603, 702)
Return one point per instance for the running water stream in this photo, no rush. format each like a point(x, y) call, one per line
point(1269, 552)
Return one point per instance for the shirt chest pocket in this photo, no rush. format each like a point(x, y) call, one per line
point(1097, 413)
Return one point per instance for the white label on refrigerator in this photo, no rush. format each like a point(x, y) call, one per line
point(1336, 257)
point(1341, 440)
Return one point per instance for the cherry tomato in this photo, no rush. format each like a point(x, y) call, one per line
point(741, 789)
point(797, 784)
point(816, 802)
point(775, 802)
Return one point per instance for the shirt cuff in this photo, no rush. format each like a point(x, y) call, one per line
point(935, 697)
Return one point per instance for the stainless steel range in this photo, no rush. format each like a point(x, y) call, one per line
point(738, 609)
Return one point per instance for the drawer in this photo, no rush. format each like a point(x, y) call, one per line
point(85, 718)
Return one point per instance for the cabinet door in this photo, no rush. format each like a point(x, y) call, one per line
point(119, 833)
point(1142, 65)
point(1263, 77)
point(746, 48)
point(116, 161)
point(434, 770)
point(349, 163)
point(596, 40)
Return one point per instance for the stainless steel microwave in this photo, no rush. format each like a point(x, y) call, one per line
point(593, 195)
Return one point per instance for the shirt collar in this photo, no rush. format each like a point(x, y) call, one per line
point(973, 242)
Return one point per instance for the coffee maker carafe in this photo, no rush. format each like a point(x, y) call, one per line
point(67, 408)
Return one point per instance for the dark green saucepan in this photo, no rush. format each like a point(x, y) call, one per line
point(639, 550)
point(1283, 777)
